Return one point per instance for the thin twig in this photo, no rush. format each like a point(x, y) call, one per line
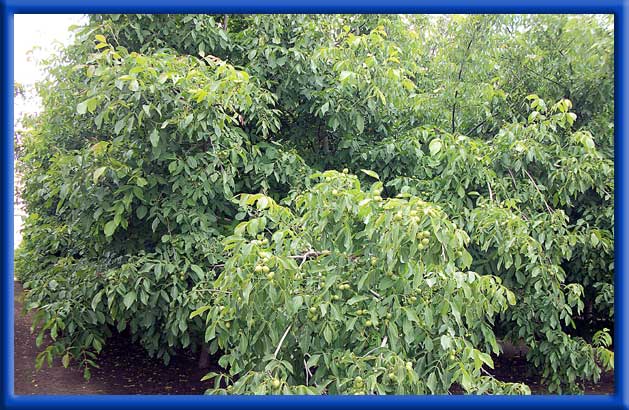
point(310, 254)
point(476, 127)
point(491, 194)
point(307, 371)
point(213, 290)
point(277, 349)
point(309, 374)
point(460, 74)
point(375, 294)
point(382, 344)
point(512, 178)
point(515, 186)
point(550, 210)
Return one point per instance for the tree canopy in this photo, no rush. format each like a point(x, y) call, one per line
point(334, 204)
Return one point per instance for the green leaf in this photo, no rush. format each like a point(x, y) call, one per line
point(594, 239)
point(325, 107)
point(129, 299)
point(345, 75)
point(97, 174)
point(65, 360)
point(192, 162)
point(313, 360)
point(431, 382)
point(119, 125)
point(81, 108)
point(511, 298)
point(197, 269)
point(141, 182)
point(141, 211)
point(97, 300)
point(110, 227)
point(154, 137)
point(209, 376)
point(262, 203)
point(486, 359)
point(360, 123)
point(435, 146)
point(134, 85)
point(199, 311)
point(466, 380)
point(327, 334)
point(371, 174)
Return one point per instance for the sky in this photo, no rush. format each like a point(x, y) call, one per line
point(41, 31)
point(37, 36)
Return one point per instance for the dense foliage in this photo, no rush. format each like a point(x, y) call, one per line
point(332, 204)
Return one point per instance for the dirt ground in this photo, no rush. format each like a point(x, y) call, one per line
point(512, 370)
point(126, 369)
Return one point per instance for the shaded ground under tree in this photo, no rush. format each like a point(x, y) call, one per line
point(126, 369)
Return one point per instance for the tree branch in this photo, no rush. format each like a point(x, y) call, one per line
point(550, 210)
point(460, 75)
point(375, 294)
point(311, 254)
point(277, 349)
point(476, 127)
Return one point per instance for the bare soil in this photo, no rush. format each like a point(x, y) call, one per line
point(126, 369)
point(515, 370)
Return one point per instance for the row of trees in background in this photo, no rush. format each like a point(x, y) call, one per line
point(335, 204)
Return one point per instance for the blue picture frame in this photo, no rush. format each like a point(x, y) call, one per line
point(620, 400)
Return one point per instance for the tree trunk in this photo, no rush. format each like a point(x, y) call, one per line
point(511, 350)
point(588, 309)
point(204, 357)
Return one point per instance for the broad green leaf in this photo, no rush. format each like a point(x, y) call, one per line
point(141, 211)
point(154, 137)
point(65, 360)
point(371, 174)
point(435, 146)
point(97, 173)
point(129, 299)
point(360, 123)
point(81, 108)
point(199, 311)
point(110, 227)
